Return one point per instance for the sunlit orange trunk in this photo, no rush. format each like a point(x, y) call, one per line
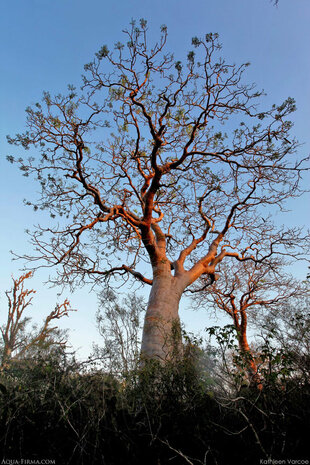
point(251, 366)
point(161, 338)
point(246, 352)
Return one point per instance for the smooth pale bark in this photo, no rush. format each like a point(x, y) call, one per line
point(161, 338)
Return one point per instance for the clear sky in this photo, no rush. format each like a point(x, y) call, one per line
point(44, 45)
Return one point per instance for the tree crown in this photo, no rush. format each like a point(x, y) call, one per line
point(160, 160)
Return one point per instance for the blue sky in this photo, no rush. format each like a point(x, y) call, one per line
point(44, 45)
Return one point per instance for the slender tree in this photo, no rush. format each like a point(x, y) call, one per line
point(256, 291)
point(288, 326)
point(17, 341)
point(160, 164)
point(119, 324)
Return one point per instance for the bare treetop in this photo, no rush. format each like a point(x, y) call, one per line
point(17, 340)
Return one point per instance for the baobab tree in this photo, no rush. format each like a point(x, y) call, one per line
point(17, 341)
point(252, 292)
point(159, 164)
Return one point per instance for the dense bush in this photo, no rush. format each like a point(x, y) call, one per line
point(52, 408)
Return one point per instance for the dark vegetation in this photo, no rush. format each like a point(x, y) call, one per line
point(198, 410)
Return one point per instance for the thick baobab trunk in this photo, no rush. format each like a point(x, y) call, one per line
point(162, 332)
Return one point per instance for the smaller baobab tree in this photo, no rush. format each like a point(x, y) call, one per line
point(17, 342)
point(252, 291)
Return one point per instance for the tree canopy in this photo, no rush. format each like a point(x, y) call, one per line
point(160, 161)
